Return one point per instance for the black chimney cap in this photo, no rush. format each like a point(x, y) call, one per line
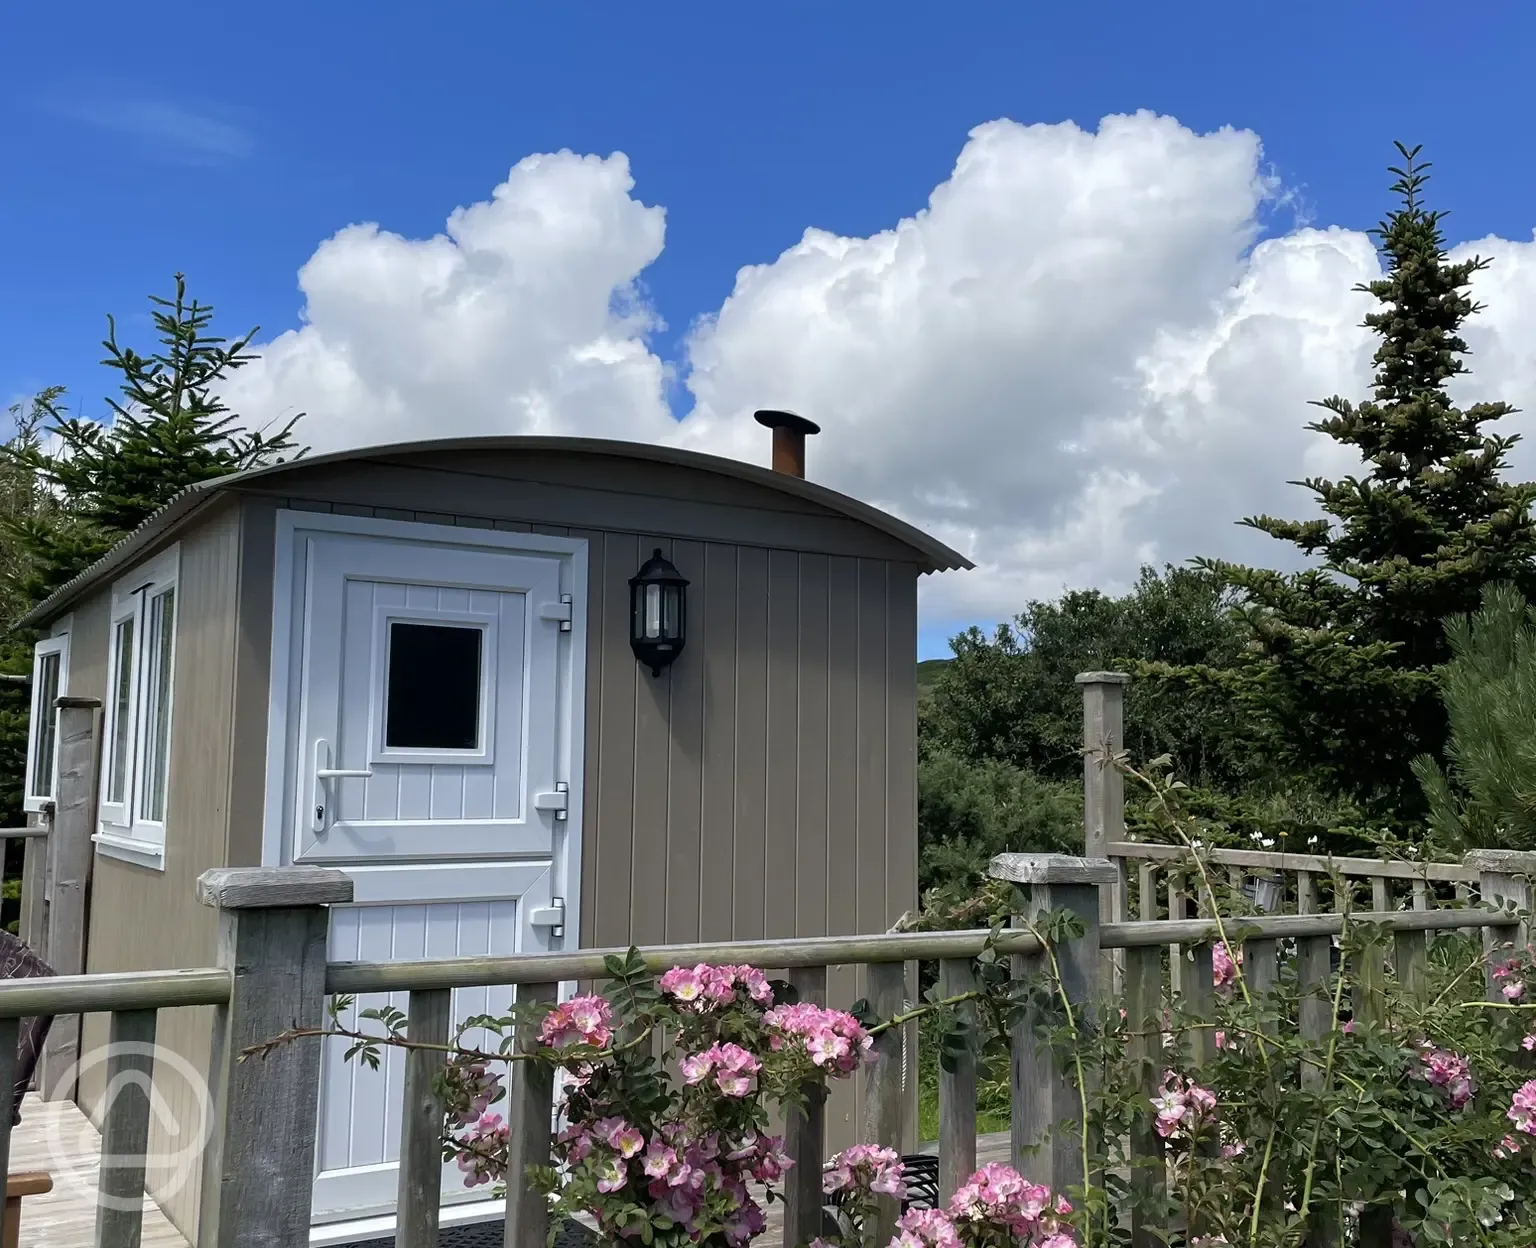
point(785, 420)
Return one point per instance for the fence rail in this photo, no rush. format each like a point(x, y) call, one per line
point(778, 955)
point(1312, 864)
point(273, 976)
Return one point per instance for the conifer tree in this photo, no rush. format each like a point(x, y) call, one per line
point(1486, 795)
point(168, 429)
point(1339, 680)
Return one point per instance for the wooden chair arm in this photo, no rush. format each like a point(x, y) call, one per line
point(27, 1183)
point(23, 1183)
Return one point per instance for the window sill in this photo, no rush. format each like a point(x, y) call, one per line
point(130, 849)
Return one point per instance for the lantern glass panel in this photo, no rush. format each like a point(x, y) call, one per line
point(654, 615)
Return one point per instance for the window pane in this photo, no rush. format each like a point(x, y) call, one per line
point(432, 699)
point(157, 714)
point(47, 725)
point(122, 653)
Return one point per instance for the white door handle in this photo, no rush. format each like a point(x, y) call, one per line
point(323, 775)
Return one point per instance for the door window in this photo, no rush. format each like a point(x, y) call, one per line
point(433, 686)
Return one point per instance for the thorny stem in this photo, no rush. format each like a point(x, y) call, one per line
point(1475, 965)
point(1258, 1191)
point(922, 1011)
point(400, 1041)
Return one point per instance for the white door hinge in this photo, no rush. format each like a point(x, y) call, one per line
point(560, 611)
point(551, 916)
point(559, 801)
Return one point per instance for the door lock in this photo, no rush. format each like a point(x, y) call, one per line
point(324, 774)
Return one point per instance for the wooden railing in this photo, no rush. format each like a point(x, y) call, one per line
point(273, 976)
point(32, 885)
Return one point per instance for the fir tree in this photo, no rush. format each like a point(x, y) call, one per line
point(168, 430)
point(1488, 798)
point(1340, 677)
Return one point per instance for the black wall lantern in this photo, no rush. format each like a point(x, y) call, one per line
point(657, 609)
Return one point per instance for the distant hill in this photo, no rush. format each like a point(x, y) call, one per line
point(928, 672)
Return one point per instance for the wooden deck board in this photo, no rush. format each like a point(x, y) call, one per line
point(57, 1138)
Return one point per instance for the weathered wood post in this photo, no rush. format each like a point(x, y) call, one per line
point(259, 1167)
point(70, 852)
point(1048, 1124)
point(1104, 796)
point(805, 1134)
point(957, 1087)
point(33, 927)
point(530, 1114)
point(885, 1100)
point(1507, 880)
point(419, 1190)
point(1143, 1004)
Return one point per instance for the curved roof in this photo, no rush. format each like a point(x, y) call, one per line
point(929, 554)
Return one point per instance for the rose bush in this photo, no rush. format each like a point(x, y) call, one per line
point(1407, 1117)
point(995, 1208)
point(1409, 1123)
point(648, 1157)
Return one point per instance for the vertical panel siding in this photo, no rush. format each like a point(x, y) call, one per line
point(253, 673)
point(868, 764)
point(653, 727)
point(843, 809)
point(812, 747)
point(182, 933)
point(751, 662)
point(717, 726)
point(783, 708)
point(685, 760)
point(610, 772)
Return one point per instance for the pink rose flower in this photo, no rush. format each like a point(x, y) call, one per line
point(1522, 1108)
point(612, 1175)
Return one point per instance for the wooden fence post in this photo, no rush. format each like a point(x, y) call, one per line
point(885, 1100)
point(70, 852)
point(957, 1087)
point(1144, 1023)
point(125, 1129)
point(33, 925)
point(419, 1190)
point(530, 1115)
point(1104, 793)
point(1047, 1121)
point(259, 1167)
point(804, 1133)
point(1507, 882)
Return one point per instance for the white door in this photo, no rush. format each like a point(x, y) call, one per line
point(357, 1147)
point(424, 729)
point(430, 683)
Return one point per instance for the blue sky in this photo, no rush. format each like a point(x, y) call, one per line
point(228, 142)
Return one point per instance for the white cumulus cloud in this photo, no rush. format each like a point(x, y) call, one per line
point(1075, 359)
point(523, 316)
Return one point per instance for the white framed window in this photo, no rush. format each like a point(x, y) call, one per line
point(136, 736)
point(434, 682)
point(50, 679)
